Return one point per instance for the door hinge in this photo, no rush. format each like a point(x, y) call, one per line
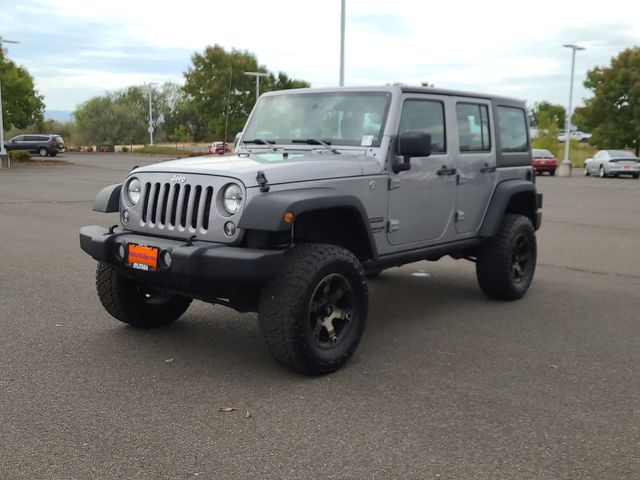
point(393, 225)
point(459, 215)
point(394, 183)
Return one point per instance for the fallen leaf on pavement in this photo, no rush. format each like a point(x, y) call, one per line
point(226, 409)
point(169, 360)
point(247, 413)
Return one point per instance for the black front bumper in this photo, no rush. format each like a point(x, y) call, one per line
point(202, 260)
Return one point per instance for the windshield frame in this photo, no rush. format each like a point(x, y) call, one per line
point(331, 141)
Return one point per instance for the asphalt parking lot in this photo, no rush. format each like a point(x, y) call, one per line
point(445, 385)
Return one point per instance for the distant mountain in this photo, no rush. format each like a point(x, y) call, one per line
point(59, 115)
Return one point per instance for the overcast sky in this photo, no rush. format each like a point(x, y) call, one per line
point(79, 48)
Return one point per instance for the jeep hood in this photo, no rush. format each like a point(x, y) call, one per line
point(278, 167)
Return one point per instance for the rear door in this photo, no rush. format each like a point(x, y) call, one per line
point(475, 162)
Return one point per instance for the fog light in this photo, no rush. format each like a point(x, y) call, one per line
point(120, 251)
point(229, 229)
point(165, 258)
point(125, 217)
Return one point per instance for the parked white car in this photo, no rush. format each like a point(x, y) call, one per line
point(576, 135)
point(612, 162)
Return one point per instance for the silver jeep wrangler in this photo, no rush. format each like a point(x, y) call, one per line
point(326, 188)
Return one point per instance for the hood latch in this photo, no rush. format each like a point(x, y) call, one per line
point(261, 178)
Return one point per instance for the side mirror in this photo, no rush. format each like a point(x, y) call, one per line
point(412, 144)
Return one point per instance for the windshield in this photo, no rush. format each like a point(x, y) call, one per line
point(337, 118)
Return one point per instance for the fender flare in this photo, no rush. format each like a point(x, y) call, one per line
point(108, 199)
point(266, 212)
point(502, 195)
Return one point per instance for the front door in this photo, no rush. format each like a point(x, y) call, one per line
point(421, 199)
point(475, 163)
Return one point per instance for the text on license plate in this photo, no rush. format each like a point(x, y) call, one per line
point(142, 258)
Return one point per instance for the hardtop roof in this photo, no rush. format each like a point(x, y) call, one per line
point(402, 89)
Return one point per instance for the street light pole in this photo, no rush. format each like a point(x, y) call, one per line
point(4, 159)
point(565, 166)
point(150, 129)
point(342, 21)
point(257, 75)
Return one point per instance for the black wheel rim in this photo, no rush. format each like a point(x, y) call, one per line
point(521, 258)
point(331, 311)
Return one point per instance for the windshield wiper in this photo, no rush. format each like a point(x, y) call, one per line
point(315, 141)
point(259, 141)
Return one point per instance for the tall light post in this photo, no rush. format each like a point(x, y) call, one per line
point(257, 75)
point(4, 159)
point(565, 166)
point(342, 20)
point(150, 129)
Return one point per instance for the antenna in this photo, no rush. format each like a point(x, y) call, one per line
point(226, 119)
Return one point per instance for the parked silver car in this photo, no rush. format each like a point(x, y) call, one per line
point(612, 163)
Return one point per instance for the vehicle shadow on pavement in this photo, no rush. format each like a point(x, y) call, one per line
point(212, 339)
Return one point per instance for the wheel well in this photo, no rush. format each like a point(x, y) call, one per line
point(341, 226)
point(523, 203)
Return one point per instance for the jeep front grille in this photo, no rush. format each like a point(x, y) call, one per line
point(174, 206)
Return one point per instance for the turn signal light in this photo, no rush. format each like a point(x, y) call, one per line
point(288, 218)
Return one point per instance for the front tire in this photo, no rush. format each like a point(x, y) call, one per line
point(636, 175)
point(313, 313)
point(134, 303)
point(506, 263)
point(43, 152)
point(586, 171)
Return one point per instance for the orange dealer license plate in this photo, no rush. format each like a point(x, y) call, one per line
point(142, 258)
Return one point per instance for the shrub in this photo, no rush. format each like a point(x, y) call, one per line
point(20, 155)
point(166, 150)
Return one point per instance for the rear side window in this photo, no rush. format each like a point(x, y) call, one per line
point(428, 117)
point(513, 129)
point(473, 127)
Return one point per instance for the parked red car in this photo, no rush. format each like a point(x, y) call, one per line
point(543, 161)
point(219, 148)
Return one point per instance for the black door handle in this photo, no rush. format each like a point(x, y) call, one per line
point(446, 171)
point(487, 168)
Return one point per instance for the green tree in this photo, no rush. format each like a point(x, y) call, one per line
point(216, 86)
point(119, 117)
point(556, 113)
point(22, 106)
point(613, 113)
point(547, 132)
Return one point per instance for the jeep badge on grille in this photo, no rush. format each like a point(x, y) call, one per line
point(178, 179)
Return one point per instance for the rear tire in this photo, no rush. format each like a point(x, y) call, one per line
point(134, 303)
point(601, 172)
point(43, 152)
point(313, 313)
point(506, 263)
point(636, 175)
point(552, 172)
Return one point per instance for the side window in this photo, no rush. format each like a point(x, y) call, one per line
point(30, 138)
point(425, 116)
point(19, 139)
point(513, 129)
point(473, 127)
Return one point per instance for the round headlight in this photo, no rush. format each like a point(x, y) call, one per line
point(232, 198)
point(134, 189)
